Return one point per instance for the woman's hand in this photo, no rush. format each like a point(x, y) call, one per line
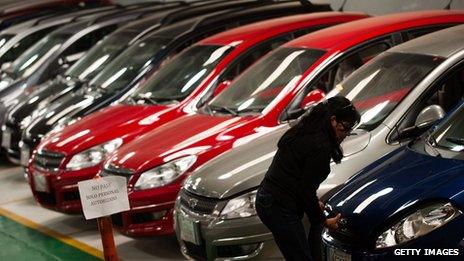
point(332, 223)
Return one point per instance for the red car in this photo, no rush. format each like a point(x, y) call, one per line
point(273, 91)
point(77, 152)
point(270, 93)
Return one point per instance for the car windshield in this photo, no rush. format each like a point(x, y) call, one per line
point(99, 56)
point(379, 86)
point(122, 70)
point(35, 56)
point(450, 134)
point(178, 78)
point(272, 76)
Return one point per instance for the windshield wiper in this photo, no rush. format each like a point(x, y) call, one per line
point(223, 109)
point(432, 142)
point(458, 141)
point(146, 99)
point(246, 110)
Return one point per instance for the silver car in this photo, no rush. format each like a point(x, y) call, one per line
point(400, 94)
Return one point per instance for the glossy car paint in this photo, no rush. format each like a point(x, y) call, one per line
point(49, 63)
point(242, 169)
point(39, 27)
point(14, 13)
point(130, 121)
point(35, 101)
point(394, 187)
point(22, 36)
point(207, 136)
point(78, 104)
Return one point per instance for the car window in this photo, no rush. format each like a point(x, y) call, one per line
point(378, 87)
point(22, 45)
point(179, 77)
point(337, 73)
point(450, 135)
point(446, 93)
point(269, 78)
point(28, 62)
point(88, 40)
point(414, 33)
point(100, 55)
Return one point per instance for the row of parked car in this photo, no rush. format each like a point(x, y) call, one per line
point(188, 100)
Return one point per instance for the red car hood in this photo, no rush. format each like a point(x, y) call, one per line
point(123, 121)
point(193, 134)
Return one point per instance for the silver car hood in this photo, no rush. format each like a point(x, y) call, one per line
point(237, 170)
point(356, 142)
point(243, 168)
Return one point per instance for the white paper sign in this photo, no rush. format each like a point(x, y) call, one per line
point(103, 196)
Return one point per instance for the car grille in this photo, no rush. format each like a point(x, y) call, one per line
point(112, 170)
point(197, 204)
point(196, 251)
point(48, 160)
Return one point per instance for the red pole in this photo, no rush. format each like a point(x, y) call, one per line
point(106, 230)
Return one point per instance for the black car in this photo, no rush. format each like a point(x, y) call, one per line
point(18, 38)
point(20, 115)
point(14, 12)
point(57, 51)
point(130, 68)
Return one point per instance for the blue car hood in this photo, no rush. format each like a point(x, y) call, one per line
point(390, 188)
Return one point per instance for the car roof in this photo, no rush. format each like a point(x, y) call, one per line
point(118, 15)
point(263, 29)
point(226, 16)
point(442, 43)
point(345, 35)
point(51, 20)
point(178, 12)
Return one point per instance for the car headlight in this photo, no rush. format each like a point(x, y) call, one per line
point(93, 156)
point(417, 224)
point(165, 173)
point(240, 207)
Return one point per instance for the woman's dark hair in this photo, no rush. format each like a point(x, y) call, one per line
point(318, 118)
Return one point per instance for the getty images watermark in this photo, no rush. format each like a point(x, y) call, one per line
point(426, 252)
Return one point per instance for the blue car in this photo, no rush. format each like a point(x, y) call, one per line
point(408, 204)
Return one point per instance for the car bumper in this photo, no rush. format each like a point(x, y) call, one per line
point(58, 190)
point(150, 214)
point(425, 247)
point(218, 239)
point(11, 136)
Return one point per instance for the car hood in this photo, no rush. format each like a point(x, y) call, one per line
point(44, 94)
point(192, 134)
point(66, 106)
point(244, 167)
point(395, 184)
point(120, 121)
point(238, 170)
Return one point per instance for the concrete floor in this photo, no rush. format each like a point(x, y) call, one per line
point(41, 234)
point(17, 204)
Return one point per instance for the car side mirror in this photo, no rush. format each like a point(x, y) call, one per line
point(429, 115)
point(426, 118)
point(221, 87)
point(311, 98)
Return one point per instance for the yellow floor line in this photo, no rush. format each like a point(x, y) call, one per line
point(16, 200)
point(63, 238)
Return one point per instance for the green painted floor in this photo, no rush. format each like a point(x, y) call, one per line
point(18, 242)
